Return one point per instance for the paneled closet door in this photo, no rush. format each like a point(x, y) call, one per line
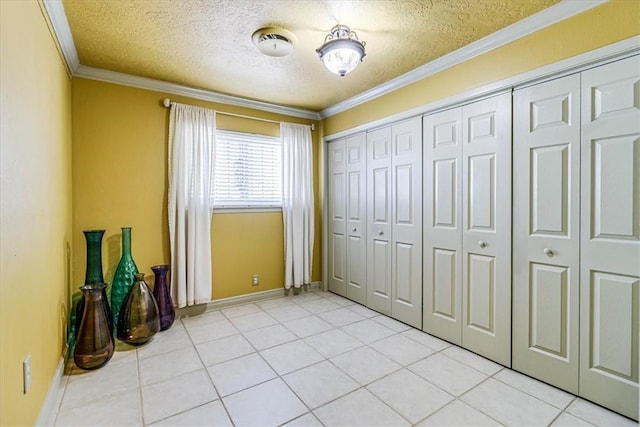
point(337, 218)
point(356, 289)
point(486, 293)
point(546, 237)
point(337, 250)
point(379, 220)
point(610, 235)
point(442, 209)
point(406, 179)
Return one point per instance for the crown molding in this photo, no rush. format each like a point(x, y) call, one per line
point(575, 64)
point(62, 32)
point(56, 14)
point(563, 10)
point(545, 18)
point(176, 89)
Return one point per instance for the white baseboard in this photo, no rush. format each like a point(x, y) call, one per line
point(238, 300)
point(52, 401)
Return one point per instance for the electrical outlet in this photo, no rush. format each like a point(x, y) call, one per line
point(255, 280)
point(26, 373)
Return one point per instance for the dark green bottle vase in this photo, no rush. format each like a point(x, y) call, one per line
point(123, 278)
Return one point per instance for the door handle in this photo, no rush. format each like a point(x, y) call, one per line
point(354, 229)
point(482, 244)
point(548, 252)
point(380, 232)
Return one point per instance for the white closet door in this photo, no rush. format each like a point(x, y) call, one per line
point(356, 289)
point(406, 234)
point(546, 237)
point(610, 235)
point(379, 220)
point(442, 209)
point(337, 218)
point(486, 299)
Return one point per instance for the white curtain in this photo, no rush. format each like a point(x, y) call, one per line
point(191, 169)
point(297, 203)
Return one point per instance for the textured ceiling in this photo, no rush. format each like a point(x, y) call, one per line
point(207, 44)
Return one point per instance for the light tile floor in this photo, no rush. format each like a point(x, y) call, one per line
point(310, 360)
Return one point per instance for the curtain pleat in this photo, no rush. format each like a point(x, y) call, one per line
point(297, 203)
point(191, 172)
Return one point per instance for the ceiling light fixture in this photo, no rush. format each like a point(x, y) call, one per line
point(273, 41)
point(341, 51)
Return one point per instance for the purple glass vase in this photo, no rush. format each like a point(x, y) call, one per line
point(163, 297)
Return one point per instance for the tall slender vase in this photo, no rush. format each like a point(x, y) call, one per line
point(94, 345)
point(93, 274)
point(138, 321)
point(94, 266)
point(124, 275)
point(163, 297)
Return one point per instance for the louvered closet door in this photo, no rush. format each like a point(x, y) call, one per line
point(406, 234)
point(337, 218)
point(610, 235)
point(442, 209)
point(546, 232)
point(379, 220)
point(486, 155)
point(356, 289)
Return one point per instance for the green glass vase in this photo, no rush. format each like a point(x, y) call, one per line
point(123, 278)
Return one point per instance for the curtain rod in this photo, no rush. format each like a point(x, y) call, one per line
point(167, 103)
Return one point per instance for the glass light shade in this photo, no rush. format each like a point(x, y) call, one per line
point(341, 60)
point(342, 51)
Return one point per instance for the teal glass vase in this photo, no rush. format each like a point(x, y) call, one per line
point(123, 278)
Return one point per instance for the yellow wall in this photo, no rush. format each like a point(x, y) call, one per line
point(36, 207)
point(595, 28)
point(120, 179)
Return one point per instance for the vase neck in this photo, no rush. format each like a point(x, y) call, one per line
point(160, 270)
point(126, 241)
point(94, 256)
point(93, 292)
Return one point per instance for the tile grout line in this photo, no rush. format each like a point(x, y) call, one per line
point(334, 327)
point(325, 359)
point(176, 376)
point(140, 396)
point(206, 369)
point(459, 398)
point(319, 298)
point(280, 377)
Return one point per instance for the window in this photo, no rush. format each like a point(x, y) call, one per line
point(248, 171)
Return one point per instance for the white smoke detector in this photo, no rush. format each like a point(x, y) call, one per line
point(273, 41)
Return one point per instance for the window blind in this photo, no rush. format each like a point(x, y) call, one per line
point(248, 170)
